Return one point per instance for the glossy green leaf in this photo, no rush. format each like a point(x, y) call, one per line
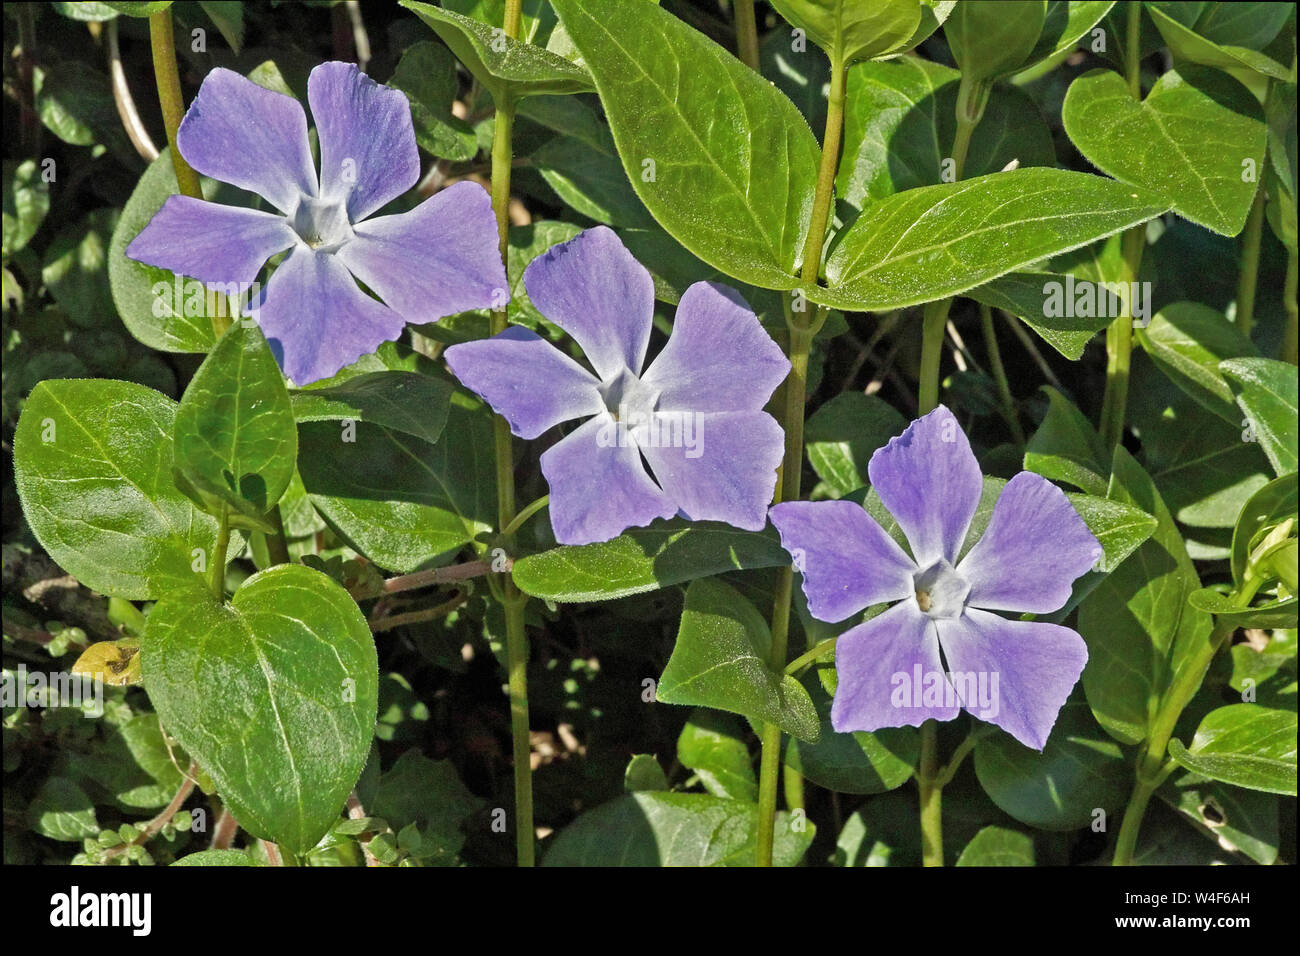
point(1192, 140)
point(1188, 44)
point(1242, 820)
point(987, 43)
point(508, 68)
point(401, 501)
point(274, 694)
point(644, 773)
point(998, 846)
point(900, 122)
point(1066, 23)
point(1246, 745)
point(843, 434)
point(1266, 390)
point(426, 73)
point(93, 466)
point(1030, 296)
point(1188, 340)
point(674, 829)
point(936, 241)
point(1067, 448)
point(849, 30)
point(591, 181)
point(235, 439)
point(229, 21)
point(1078, 771)
point(712, 744)
point(1277, 612)
point(645, 559)
point(720, 661)
point(408, 402)
point(722, 160)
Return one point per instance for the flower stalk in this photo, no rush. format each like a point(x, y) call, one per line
point(167, 75)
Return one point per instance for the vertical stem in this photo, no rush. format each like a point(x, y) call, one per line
point(277, 548)
point(1119, 344)
point(1249, 274)
point(1131, 823)
point(1000, 374)
point(746, 33)
point(1289, 340)
point(802, 328)
point(169, 97)
point(217, 572)
point(927, 772)
point(514, 601)
point(933, 322)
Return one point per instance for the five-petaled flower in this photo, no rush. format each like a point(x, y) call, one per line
point(695, 415)
point(1026, 561)
point(438, 259)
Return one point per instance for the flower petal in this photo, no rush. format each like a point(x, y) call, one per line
point(718, 358)
point(438, 259)
point(251, 137)
point(847, 561)
point(929, 480)
point(592, 288)
point(367, 140)
point(1035, 665)
point(1035, 546)
point(885, 668)
point(210, 242)
point(716, 467)
point(526, 380)
point(599, 488)
point(317, 319)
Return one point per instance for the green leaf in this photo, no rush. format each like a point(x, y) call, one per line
point(591, 181)
point(720, 661)
point(229, 20)
point(674, 829)
point(507, 68)
point(62, 811)
point(856, 762)
point(936, 241)
point(1273, 503)
point(1279, 612)
point(644, 773)
point(401, 501)
point(1187, 44)
point(26, 203)
point(645, 559)
point(721, 159)
point(429, 794)
point(900, 122)
point(1066, 447)
point(154, 305)
point(1191, 140)
point(1119, 527)
point(426, 73)
point(848, 30)
point(274, 694)
point(712, 744)
point(1266, 391)
point(1032, 295)
point(235, 438)
point(987, 43)
point(93, 466)
point(843, 434)
point(1079, 771)
point(1066, 23)
point(1137, 616)
point(217, 858)
point(408, 402)
point(133, 9)
point(1246, 745)
point(998, 846)
point(1187, 341)
point(1241, 820)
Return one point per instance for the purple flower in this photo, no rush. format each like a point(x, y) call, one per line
point(1015, 674)
point(695, 415)
point(438, 259)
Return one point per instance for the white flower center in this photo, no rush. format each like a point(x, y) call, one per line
point(322, 223)
point(940, 591)
point(628, 399)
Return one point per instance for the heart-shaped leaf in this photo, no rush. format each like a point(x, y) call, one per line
point(274, 694)
point(1198, 140)
point(93, 467)
point(925, 244)
point(723, 161)
point(1246, 745)
point(720, 661)
point(236, 440)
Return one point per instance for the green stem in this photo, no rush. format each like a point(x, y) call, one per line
point(1291, 337)
point(746, 33)
point(794, 797)
point(801, 335)
point(217, 572)
point(1249, 275)
point(1000, 374)
point(277, 547)
point(168, 78)
point(799, 664)
point(525, 513)
point(513, 601)
point(927, 779)
point(1119, 344)
point(933, 322)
